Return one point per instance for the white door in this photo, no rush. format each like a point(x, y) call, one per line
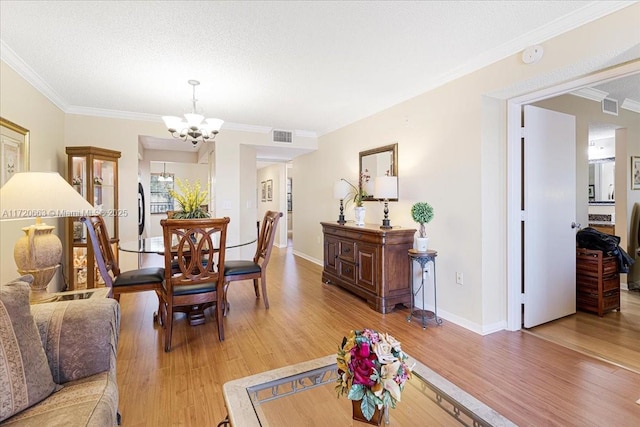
point(549, 212)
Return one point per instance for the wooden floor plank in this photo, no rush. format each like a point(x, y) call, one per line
point(530, 380)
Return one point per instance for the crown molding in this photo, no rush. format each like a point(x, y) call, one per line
point(112, 114)
point(631, 105)
point(9, 57)
point(590, 93)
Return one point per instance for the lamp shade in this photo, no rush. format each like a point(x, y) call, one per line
point(340, 189)
point(41, 195)
point(386, 187)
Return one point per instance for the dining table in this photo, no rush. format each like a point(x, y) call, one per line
point(155, 245)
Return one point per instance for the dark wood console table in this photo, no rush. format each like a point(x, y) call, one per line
point(370, 262)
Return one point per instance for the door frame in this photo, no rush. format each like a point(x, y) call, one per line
point(514, 171)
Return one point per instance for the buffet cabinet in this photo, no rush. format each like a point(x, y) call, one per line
point(370, 262)
point(597, 281)
point(92, 172)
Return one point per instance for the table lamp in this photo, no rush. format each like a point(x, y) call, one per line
point(386, 187)
point(40, 195)
point(340, 190)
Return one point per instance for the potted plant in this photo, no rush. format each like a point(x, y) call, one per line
point(190, 199)
point(357, 195)
point(422, 213)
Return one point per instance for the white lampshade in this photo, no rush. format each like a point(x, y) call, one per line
point(41, 195)
point(386, 187)
point(340, 189)
point(173, 122)
point(214, 125)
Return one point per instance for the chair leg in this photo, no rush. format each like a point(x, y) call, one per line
point(219, 316)
point(255, 287)
point(225, 306)
point(168, 326)
point(263, 281)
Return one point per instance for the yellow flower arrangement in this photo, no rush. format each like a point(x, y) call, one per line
point(190, 198)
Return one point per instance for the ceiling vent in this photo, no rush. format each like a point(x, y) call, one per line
point(285, 135)
point(610, 106)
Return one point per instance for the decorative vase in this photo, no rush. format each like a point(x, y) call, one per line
point(359, 214)
point(375, 420)
point(421, 244)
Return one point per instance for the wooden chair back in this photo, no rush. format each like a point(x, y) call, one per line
point(266, 238)
point(102, 250)
point(204, 237)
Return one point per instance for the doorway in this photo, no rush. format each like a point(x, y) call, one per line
point(516, 246)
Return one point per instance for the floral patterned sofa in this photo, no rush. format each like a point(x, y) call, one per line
point(57, 360)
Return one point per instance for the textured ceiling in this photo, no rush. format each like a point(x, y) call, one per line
point(309, 66)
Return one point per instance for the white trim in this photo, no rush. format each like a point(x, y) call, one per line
point(590, 93)
point(631, 105)
point(8, 56)
point(308, 258)
point(112, 114)
point(514, 312)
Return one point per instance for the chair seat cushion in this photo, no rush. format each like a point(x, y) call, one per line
point(142, 276)
point(193, 289)
point(236, 268)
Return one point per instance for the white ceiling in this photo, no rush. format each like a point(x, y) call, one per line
point(311, 66)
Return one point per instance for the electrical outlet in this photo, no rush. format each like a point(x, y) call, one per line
point(459, 278)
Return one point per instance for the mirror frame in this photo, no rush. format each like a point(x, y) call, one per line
point(393, 149)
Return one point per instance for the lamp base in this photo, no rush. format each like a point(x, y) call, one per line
point(38, 253)
point(386, 224)
point(341, 220)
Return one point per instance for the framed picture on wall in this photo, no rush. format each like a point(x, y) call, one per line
point(635, 172)
point(264, 191)
point(14, 150)
point(269, 190)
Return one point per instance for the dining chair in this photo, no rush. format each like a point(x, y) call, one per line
point(197, 247)
point(255, 269)
point(120, 282)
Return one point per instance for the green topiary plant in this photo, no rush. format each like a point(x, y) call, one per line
point(422, 213)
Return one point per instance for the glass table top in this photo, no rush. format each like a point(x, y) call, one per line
point(305, 394)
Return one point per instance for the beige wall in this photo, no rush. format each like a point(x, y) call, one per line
point(25, 106)
point(452, 153)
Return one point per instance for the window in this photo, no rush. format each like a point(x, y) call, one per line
point(161, 201)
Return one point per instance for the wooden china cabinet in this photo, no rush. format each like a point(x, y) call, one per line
point(93, 172)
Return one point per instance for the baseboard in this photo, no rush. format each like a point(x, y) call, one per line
point(308, 258)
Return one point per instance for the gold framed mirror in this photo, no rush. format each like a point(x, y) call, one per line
point(14, 149)
point(376, 162)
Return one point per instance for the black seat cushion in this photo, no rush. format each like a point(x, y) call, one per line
point(142, 276)
point(193, 289)
point(236, 268)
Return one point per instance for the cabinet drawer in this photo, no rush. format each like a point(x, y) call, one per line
point(590, 284)
point(347, 271)
point(347, 250)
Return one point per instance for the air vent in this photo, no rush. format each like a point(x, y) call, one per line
point(282, 136)
point(610, 106)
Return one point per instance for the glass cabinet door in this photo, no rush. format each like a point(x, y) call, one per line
point(93, 172)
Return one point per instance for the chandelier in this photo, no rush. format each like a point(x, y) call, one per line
point(194, 126)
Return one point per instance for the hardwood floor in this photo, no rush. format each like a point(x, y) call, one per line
point(531, 381)
point(615, 337)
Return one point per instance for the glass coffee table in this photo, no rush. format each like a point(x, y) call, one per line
point(304, 394)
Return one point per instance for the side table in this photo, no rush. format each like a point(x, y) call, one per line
point(102, 292)
point(423, 258)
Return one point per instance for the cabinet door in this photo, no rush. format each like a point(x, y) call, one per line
point(331, 248)
point(367, 263)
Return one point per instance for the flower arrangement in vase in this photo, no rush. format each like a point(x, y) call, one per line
point(372, 369)
point(190, 199)
point(422, 213)
point(358, 194)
